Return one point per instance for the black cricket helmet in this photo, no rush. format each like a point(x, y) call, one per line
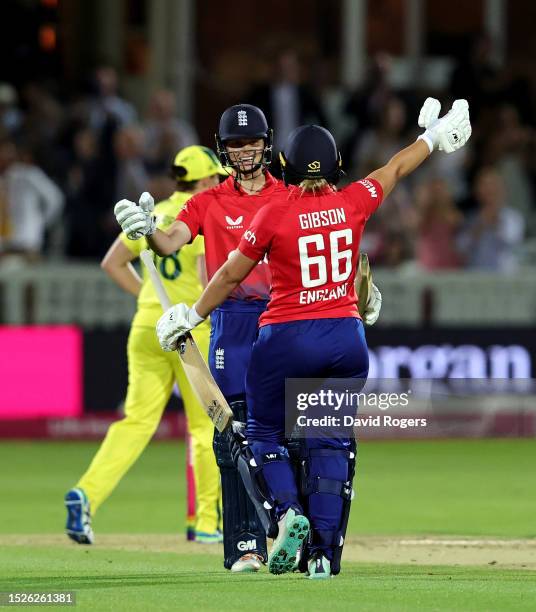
point(244, 122)
point(311, 153)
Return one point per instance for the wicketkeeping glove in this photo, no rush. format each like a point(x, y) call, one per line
point(449, 133)
point(136, 220)
point(373, 307)
point(174, 323)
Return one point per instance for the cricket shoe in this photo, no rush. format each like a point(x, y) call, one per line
point(248, 563)
point(78, 526)
point(202, 537)
point(293, 529)
point(319, 567)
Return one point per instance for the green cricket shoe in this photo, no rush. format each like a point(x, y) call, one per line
point(202, 537)
point(293, 529)
point(319, 567)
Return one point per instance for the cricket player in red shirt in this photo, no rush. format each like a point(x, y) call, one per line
point(312, 327)
point(244, 144)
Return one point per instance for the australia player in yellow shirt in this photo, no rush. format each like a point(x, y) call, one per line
point(151, 372)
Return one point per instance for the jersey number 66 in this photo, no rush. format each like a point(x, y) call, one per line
point(339, 258)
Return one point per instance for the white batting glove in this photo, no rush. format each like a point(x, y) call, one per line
point(136, 220)
point(449, 133)
point(174, 323)
point(429, 113)
point(373, 307)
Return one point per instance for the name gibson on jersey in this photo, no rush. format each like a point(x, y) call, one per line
point(322, 218)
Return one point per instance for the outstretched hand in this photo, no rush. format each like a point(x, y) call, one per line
point(449, 133)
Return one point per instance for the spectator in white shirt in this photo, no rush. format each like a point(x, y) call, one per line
point(32, 201)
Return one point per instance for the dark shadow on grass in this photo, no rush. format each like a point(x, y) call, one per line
point(185, 580)
point(99, 581)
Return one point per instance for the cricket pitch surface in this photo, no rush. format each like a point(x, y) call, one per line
point(422, 550)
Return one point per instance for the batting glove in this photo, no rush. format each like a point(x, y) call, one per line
point(373, 307)
point(136, 220)
point(174, 323)
point(449, 133)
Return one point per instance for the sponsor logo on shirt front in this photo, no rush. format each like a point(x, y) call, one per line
point(234, 223)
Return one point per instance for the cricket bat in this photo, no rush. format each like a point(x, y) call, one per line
point(363, 282)
point(205, 387)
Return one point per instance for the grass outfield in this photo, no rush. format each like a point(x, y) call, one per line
point(471, 487)
point(455, 489)
point(120, 580)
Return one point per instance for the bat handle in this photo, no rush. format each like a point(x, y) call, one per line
point(163, 297)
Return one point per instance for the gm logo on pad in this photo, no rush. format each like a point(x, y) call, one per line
point(244, 545)
point(314, 166)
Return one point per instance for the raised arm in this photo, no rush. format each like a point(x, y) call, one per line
point(137, 220)
point(447, 134)
point(400, 165)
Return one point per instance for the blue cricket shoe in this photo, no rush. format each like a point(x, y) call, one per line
point(78, 526)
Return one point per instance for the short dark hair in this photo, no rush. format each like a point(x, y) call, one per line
point(186, 186)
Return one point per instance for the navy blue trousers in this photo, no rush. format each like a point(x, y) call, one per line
point(320, 348)
point(234, 327)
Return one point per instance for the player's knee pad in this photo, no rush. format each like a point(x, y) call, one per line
point(255, 484)
point(243, 530)
point(294, 447)
point(340, 465)
point(222, 450)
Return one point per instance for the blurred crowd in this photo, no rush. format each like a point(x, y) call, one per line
point(64, 165)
